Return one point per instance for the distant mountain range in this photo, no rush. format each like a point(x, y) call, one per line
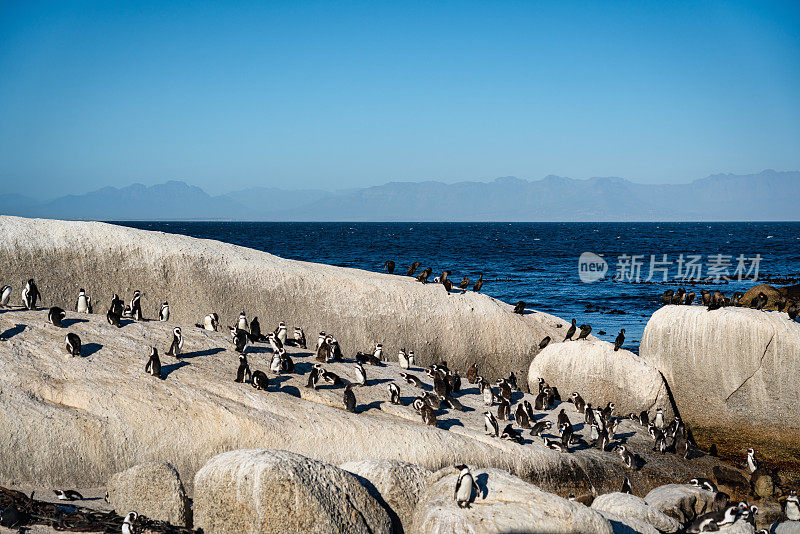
point(766, 196)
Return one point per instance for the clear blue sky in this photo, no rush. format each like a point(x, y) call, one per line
point(344, 94)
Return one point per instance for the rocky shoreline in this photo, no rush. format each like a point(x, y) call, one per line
point(226, 457)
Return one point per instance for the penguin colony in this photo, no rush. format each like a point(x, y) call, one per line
point(514, 418)
point(717, 299)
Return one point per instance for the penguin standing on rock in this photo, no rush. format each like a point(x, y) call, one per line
point(299, 337)
point(490, 425)
point(30, 294)
point(128, 523)
point(73, 344)
point(55, 315)
point(280, 332)
point(84, 303)
point(243, 373)
point(239, 338)
point(136, 306)
point(153, 365)
point(177, 343)
point(464, 486)
point(792, 506)
point(260, 380)
point(349, 399)
point(5, 296)
point(242, 324)
point(163, 313)
point(361, 375)
point(394, 393)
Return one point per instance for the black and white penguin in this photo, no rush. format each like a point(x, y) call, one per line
point(255, 331)
point(128, 524)
point(299, 337)
point(428, 416)
point(136, 306)
point(713, 521)
point(30, 294)
point(562, 419)
point(627, 457)
point(620, 340)
point(242, 323)
point(752, 462)
point(465, 484)
point(585, 331)
point(528, 410)
point(117, 305)
point(287, 364)
point(704, 483)
point(433, 400)
point(389, 266)
point(644, 418)
point(210, 322)
point(504, 389)
point(275, 364)
point(361, 375)
point(377, 354)
point(626, 486)
point(349, 399)
point(276, 344)
point(544, 342)
point(73, 344)
point(571, 331)
point(239, 339)
point(394, 393)
point(792, 507)
point(281, 332)
point(68, 495)
point(153, 365)
point(658, 420)
point(578, 401)
point(163, 313)
point(402, 359)
point(510, 434)
point(243, 373)
point(5, 296)
point(114, 318)
point(521, 416)
point(488, 395)
point(453, 404)
point(540, 403)
point(520, 307)
point(314, 377)
point(411, 360)
point(260, 380)
point(334, 350)
point(490, 425)
point(55, 315)
point(503, 410)
point(330, 377)
point(412, 379)
point(554, 444)
point(540, 427)
point(176, 346)
point(84, 302)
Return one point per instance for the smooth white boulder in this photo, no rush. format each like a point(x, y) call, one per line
point(634, 507)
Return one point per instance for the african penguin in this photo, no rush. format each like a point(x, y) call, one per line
point(163, 313)
point(578, 401)
point(84, 303)
point(243, 373)
point(752, 463)
point(627, 457)
point(540, 427)
point(411, 379)
point(55, 315)
point(503, 410)
point(510, 434)
point(68, 495)
point(30, 294)
point(176, 346)
point(299, 337)
point(704, 483)
point(658, 420)
point(5, 295)
point(490, 425)
point(211, 322)
point(402, 359)
point(153, 365)
point(411, 361)
point(239, 339)
point(377, 354)
point(281, 332)
point(242, 323)
point(361, 375)
point(465, 483)
point(394, 393)
point(626, 486)
point(136, 306)
point(428, 416)
point(556, 445)
point(260, 380)
point(128, 523)
point(320, 339)
point(520, 416)
point(349, 399)
point(792, 506)
point(73, 344)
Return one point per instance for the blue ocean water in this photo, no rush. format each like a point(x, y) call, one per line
point(538, 262)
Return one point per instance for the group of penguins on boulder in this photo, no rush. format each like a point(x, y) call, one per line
point(602, 422)
point(717, 299)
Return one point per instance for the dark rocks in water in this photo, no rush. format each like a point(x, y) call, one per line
point(602, 332)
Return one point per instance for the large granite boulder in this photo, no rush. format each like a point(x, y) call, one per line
point(600, 374)
point(787, 527)
point(198, 276)
point(732, 372)
point(152, 489)
point(395, 483)
point(257, 491)
point(682, 502)
point(628, 525)
point(631, 506)
point(504, 503)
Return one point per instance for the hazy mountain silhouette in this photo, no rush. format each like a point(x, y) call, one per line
point(766, 196)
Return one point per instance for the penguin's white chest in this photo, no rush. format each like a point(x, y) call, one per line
point(464, 492)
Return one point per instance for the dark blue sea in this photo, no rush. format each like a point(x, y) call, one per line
point(539, 262)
